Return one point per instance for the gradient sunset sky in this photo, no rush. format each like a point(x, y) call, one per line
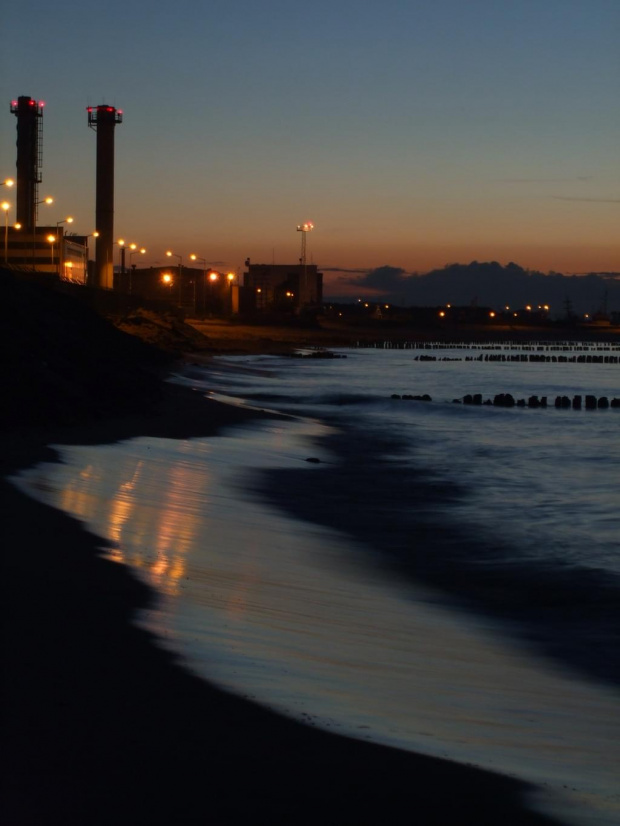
point(410, 133)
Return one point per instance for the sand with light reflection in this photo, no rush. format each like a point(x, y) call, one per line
point(293, 615)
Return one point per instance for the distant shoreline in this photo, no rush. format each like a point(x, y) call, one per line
point(230, 337)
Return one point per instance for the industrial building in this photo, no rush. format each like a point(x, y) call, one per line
point(52, 249)
point(283, 287)
point(46, 249)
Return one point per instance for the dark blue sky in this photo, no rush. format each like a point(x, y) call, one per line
point(410, 133)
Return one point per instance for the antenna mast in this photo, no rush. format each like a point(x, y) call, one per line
point(305, 228)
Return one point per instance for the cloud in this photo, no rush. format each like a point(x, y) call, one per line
point(382, 278)
point(589, 200)
point(359, 271)
point(544, 180)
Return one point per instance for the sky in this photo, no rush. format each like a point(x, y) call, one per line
point(411, 133)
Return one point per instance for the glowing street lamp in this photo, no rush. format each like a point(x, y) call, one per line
point(133, 252)
point(122, 245)
point(7, 182)
point(52, 240)
point(198, 258)
point(213, 279)
point(67, 220)
point(6, 206)
point(49, 200)
point(134, 249)
point(194, 257)
point(171, 254)
point(168, 281)
point(93, 234)
point(305, 228)
point(232, 300)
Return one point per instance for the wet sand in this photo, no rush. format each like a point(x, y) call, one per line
point(100, 724)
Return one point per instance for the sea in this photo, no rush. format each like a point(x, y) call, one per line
point(393, 557)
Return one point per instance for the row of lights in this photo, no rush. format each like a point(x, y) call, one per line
point(213, 276)
point(5, 205)
point(51, 239)
point(134, 249)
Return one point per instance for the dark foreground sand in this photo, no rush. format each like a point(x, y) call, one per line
point(101, 726)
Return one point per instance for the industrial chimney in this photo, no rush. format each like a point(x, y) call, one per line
point(103, 120)
point(29, 115)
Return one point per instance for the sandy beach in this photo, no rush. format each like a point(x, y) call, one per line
point(100, 723)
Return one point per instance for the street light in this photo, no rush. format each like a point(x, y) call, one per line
point(134, 250)
point(8, 182)
point(305, 228)
point(93, 234)
point(140, 251)
point(122, 244)
point(6, 206)
point(194, 257)
point(213, 278)
point(67, 220)
point(52, 240)
point(168, 280)
point(230, 298)
point(171, 254)
point(48, 200)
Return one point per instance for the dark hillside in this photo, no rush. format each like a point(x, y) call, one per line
point(61, 362)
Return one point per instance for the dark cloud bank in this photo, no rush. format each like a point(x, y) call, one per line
point(491, 284)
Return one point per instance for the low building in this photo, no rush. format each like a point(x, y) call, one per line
point(283, 287)
point(48, 250)
point(200, 292)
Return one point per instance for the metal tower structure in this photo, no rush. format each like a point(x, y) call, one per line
point(29, 115)
point(103, 120)
point(305, 228)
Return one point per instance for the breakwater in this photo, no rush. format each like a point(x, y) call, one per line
point(577, 402)
point(541, 348)
point(530, 358)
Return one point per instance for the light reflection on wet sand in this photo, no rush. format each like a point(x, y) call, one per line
point(293, 615)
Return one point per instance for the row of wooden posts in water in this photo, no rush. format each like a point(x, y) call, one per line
point(508, 400)
point(531, 358)
point(538, 346)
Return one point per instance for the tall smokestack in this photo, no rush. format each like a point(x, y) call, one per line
point(29, 115)
point(103, 120)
